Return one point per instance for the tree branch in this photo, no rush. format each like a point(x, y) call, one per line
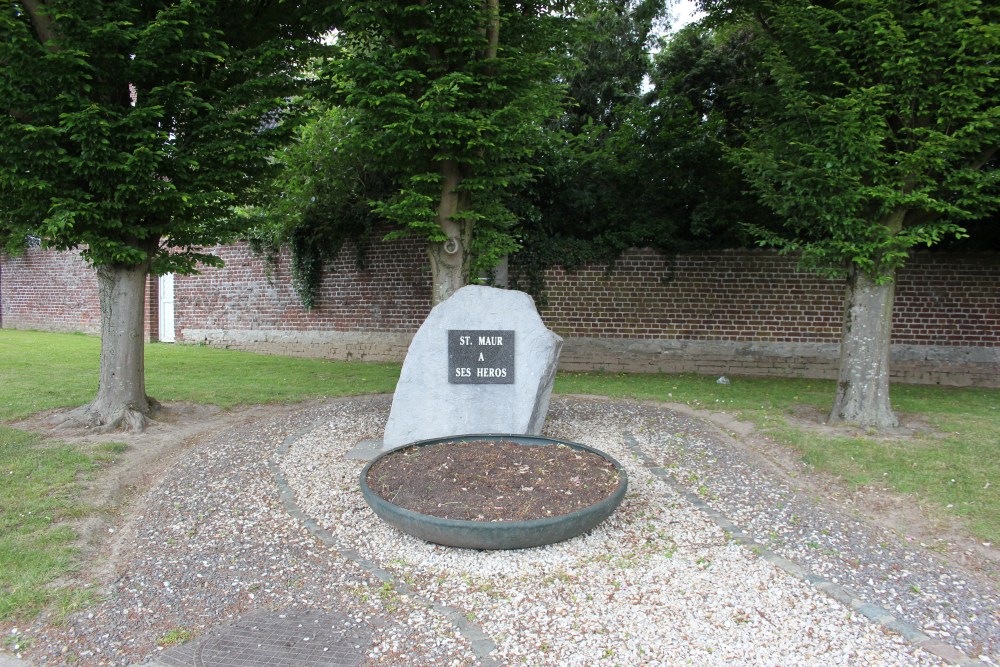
point(41, 21)
point(982, 159)
point(19, 116)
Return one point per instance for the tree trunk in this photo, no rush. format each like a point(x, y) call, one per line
point(451, 260)
point(121, 396)
point(863, 382)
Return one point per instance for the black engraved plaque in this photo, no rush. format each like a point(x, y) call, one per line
point(480, 356)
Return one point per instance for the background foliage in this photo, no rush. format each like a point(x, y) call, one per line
point(875, 125)
point(131, 128)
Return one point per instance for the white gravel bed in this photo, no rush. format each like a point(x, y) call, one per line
point(657, 584)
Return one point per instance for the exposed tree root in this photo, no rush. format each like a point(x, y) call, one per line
point(128, 417)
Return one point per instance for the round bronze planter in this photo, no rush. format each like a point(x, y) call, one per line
point(495, 534)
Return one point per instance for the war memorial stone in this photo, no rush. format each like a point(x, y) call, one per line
point(482, 362)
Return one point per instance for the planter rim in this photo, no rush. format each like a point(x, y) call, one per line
point(407, 520)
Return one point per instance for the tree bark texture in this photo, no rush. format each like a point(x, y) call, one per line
point(121, 396)
point(491, 9)
point(451, 260)
point(863, 380)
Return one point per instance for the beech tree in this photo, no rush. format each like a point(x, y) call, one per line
point(448, 99)
point(872, 134)
point(130, 129)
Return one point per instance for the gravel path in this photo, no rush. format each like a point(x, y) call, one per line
point(881, 567)
point(658, 584)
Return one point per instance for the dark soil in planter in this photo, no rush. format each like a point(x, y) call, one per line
point(493, 480)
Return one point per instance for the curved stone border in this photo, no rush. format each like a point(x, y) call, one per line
point(482, 645)
point(908, 631)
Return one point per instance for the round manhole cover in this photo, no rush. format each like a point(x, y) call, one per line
point(307, 639)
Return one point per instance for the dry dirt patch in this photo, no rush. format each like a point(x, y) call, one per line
point(493, 480)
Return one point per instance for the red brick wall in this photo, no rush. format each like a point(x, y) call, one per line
point(248, 293)
point(759, 296)
point(49, 291)
point(749, 311)
point(54, 291)
point(152, 317)
point(949, 300)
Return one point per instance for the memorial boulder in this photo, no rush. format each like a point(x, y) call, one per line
point(482, 362)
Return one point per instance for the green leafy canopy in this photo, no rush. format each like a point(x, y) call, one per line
point(321, 199)
point(875, 128)
point(422, 85)
point(131, 129)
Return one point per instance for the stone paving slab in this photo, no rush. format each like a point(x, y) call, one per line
point(365, 450)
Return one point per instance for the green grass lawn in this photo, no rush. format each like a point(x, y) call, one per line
point(39, 493)
point(39, 479)
point(957, 468)
point(42, 371)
